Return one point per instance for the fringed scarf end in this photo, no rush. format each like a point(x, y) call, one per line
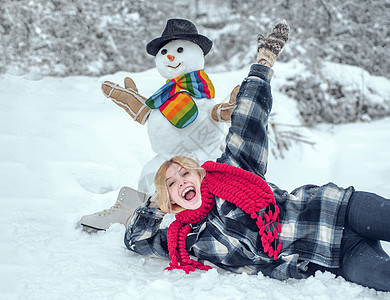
point(194, 265)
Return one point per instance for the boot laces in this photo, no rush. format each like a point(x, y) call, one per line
point(109, 210)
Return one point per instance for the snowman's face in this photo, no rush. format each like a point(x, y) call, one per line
point(179, 57)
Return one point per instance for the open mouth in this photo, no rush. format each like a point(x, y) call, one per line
point(188, 193)
point(175, 67)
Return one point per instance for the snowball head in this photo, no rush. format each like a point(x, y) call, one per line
point(179, 57)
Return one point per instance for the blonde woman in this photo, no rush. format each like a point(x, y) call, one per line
point(227, 214)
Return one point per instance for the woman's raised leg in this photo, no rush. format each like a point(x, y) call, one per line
point(363, 260)
point(369, 215)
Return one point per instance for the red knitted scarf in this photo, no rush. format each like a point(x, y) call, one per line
point(242, 188)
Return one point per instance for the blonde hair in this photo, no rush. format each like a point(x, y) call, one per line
point(162, 194)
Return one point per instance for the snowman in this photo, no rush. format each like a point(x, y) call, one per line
point(182, 116)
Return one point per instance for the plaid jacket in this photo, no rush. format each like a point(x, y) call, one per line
point(312, 217)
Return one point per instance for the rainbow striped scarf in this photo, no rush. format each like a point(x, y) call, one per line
point(174, 98)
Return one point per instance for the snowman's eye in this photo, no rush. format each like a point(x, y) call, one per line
point(164, 51)
point(180, 49)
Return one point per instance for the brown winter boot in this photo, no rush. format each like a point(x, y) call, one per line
point(222, 112)
point(269, 48)
point(128, 98)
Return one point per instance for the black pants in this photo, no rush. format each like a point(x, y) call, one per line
point(363, 260)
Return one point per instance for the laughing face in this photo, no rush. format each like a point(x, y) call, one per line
point(179, 57)
point(183, 187)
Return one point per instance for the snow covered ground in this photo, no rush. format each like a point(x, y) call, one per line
point(65, 151)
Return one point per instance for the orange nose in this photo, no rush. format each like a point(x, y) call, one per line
point(171, 58)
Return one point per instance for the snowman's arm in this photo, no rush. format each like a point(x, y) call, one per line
point(128, 98)
point(222, 112)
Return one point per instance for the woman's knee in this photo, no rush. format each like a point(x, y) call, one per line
point(368, 265)
point(368, 214)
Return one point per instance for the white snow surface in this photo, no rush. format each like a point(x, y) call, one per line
point(66, 150)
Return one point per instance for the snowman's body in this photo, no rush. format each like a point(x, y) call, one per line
point(202, 139)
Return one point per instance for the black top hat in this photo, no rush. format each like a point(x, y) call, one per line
point(179, 29)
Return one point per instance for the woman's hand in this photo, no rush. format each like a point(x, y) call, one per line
point(153, 204)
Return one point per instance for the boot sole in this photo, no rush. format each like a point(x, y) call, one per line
point(91, 228)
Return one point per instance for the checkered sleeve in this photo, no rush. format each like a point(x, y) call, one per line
point(247, 140)
point(144, 235)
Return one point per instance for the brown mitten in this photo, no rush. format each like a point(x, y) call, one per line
point(269, 48)
point(128, 98)
point(222, 112)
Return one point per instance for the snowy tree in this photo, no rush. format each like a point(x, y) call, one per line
point(96, 37)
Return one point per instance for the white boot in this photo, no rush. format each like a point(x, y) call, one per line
point(128, 200)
